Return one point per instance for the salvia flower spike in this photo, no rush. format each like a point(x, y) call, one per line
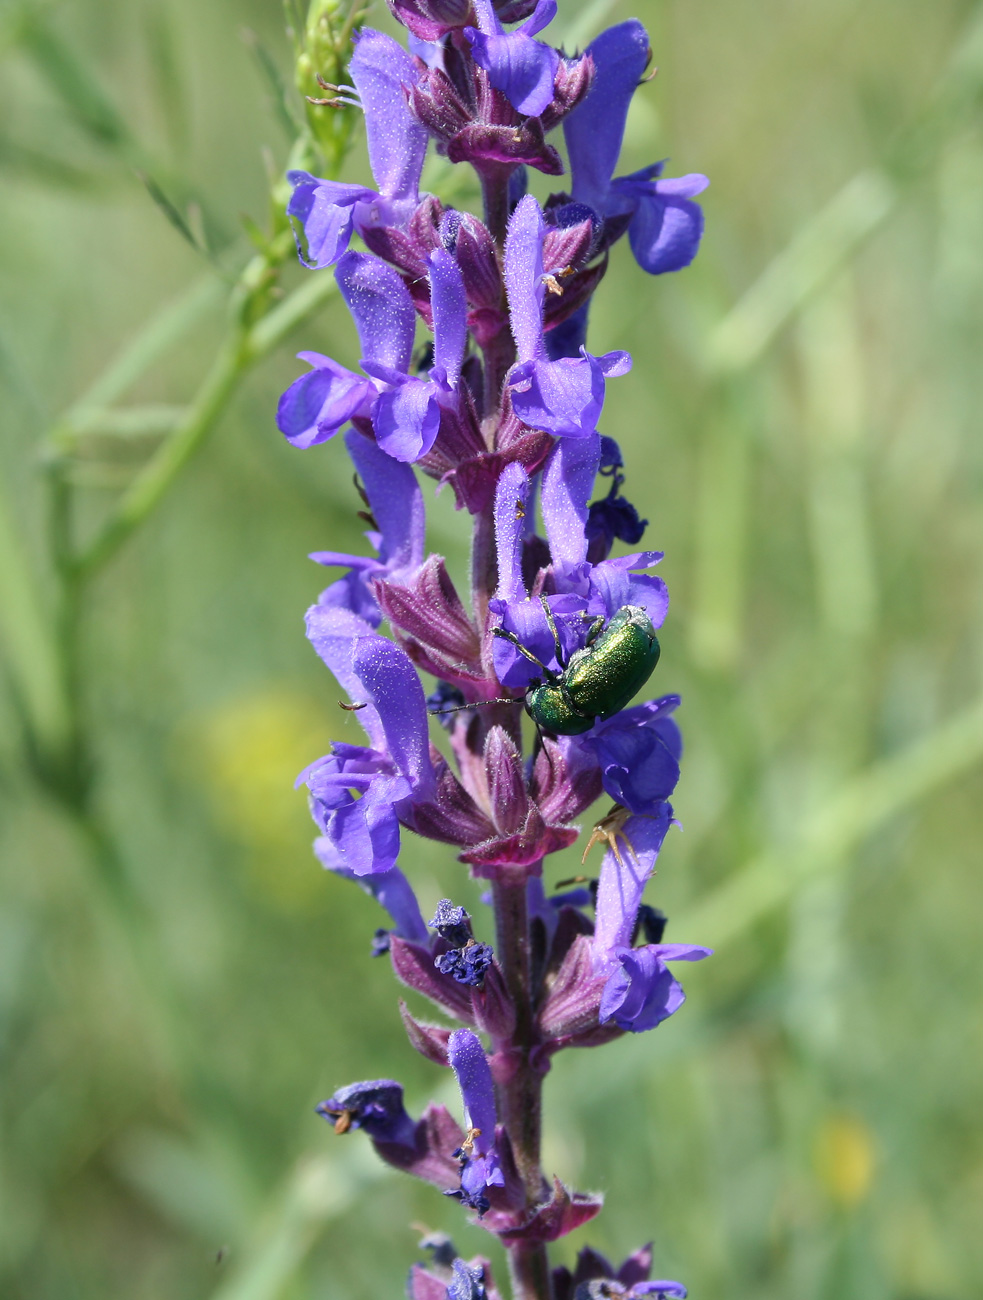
point(503, 405)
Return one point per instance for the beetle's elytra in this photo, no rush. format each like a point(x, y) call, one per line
point(600, 679)
point(597, 681)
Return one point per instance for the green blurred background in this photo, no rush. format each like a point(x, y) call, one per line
point(180, 983)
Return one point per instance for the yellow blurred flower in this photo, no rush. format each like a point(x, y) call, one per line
point(247, 752)
point(845, 1158)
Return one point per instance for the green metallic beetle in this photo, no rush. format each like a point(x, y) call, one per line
point(596, 682)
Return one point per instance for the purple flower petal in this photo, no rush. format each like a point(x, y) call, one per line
point(450, 318)
point(376, 1106)
point(564, 397)
point(406, 419)
point(332, 631)
point(521, 68)
point(365, 832)
point(468, 1061)
point(390, 682)
point(568, 480)
point(642, 992)
point(595, 129)
point(316, 405)
point(524, 277)
point(382, 307)
point(667, 227)
point(326, 211)
point(397, 143)
point(676, 1290)
point(621, 883)
point(511, 502)
point(396, 502)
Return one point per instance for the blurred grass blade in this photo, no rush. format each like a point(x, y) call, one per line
point(790, 280)
point(72, 82)
point(48, 169)
point(26, 639)
point(169, 80)
point(196, 238)
point(320, 1189)
point(279, 94)
point(241, 350)
point(161, 333)
point(837, 828)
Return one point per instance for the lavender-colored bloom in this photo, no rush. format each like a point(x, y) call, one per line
point(406, 417)
point(328, 210)
point(665, 225)
point(640, 991)
point(316, 406)
point(562, 397)
point(359, 793)
point(396, 502)
point(375, 1106)
point(404, 409)
point(480, 1167)
point(523, 69)
point(638, 751)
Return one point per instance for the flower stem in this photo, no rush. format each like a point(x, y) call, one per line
point(520, 1094)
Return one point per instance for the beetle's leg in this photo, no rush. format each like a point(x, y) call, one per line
point(596, 628)
point(551, 624)
point(514, 640)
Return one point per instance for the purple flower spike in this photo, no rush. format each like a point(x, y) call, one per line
point(665, 226)
point(562, 397)
point(397, 143)
point(480, 1165)
point(523, 69)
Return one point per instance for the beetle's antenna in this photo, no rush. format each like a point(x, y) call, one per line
point(514, 640)
point(551, 624)
point(477, 704)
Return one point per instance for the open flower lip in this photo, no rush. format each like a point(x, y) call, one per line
point(504, 403)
